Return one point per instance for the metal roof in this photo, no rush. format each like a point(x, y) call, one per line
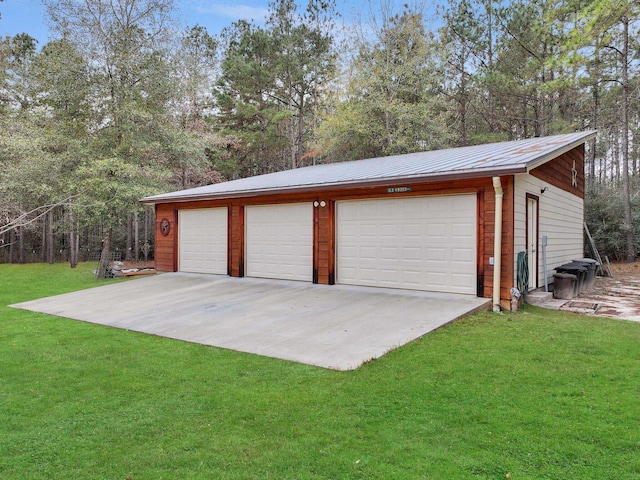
point(494, 159)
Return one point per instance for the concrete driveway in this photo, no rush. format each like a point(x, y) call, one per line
point(338, 327)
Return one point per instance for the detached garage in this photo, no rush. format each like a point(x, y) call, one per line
point(421, 221)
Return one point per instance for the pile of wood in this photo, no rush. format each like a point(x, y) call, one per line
point(132, 272)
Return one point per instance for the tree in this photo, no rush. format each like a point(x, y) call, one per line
point(460, 37)
point(393, 103)
point(197, 65)
point(272, 82)
point(248, 109)
point(16, 53)
point(603, 28)
point(304, 65)
point(124, 45)
point(468, 41)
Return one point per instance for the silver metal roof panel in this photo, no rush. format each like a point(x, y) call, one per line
point(492, 159)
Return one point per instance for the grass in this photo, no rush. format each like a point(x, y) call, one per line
point(533, 395)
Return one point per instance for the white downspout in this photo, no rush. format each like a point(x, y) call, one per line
point(497, 245)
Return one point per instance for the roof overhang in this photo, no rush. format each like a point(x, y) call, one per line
point(561, 150)
point(313, 188)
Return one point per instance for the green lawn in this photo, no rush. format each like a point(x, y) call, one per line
point(533, 395)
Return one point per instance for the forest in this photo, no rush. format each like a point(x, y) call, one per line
point(125, 102)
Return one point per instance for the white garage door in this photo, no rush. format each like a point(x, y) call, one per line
point(202, 240)
point(419, 243)
point(279, 241)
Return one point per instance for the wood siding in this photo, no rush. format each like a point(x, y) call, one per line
point(507, 279)
point(324, 243)
point(166, 247)
point(560, 172)
point(235, 266)
point(324, 226)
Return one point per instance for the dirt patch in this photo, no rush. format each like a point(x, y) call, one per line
point(616, 297)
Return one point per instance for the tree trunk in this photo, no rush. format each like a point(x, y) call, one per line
point(50, 236)
point(594, 120)
point(127, 255)
point(136, 238)
point(387, 128)
point(631, 253)
point(292, 135)
point(104, 255)
point(43, 246)
point(21, 253)
point(463, 108)
point(300, 133)
point(12, 244)
point(73, 241)
point(490, 63)
point(148, 217)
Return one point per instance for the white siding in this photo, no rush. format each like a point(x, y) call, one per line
point(561, 215)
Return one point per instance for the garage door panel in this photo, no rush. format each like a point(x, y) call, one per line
point(436, 254)
point(462, 255)
point(461, 280)
point(279, 241)
point(412, 254)
point(412, 230)
point(202, 241)
point(424, 243)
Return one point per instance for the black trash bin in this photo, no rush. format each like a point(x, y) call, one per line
point(591, 265)
point(564, 285)
point(575, 269)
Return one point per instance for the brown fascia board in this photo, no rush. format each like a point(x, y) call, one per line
point(331, 186)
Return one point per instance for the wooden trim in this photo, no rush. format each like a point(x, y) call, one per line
point(316, 241)
point(531, 196)
point(239, 230)
point(229, 241)
point(165, 245)
point(235, 245)
point(480, 242)
point(339, 194)
point(508, 232)
point(175, 240)
point(331, 241)
point(323, 242)
point(242, 241)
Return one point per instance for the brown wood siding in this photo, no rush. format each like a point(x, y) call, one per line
point(486, 250)
point(324, 243)
point(324, 226)
point(165, 254)
point(559, 171)
point(480, 236)
point(508, 231)
point(235, 264)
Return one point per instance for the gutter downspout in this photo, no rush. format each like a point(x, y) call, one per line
point(497, 244)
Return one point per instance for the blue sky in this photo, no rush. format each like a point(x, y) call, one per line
point(28, 16)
